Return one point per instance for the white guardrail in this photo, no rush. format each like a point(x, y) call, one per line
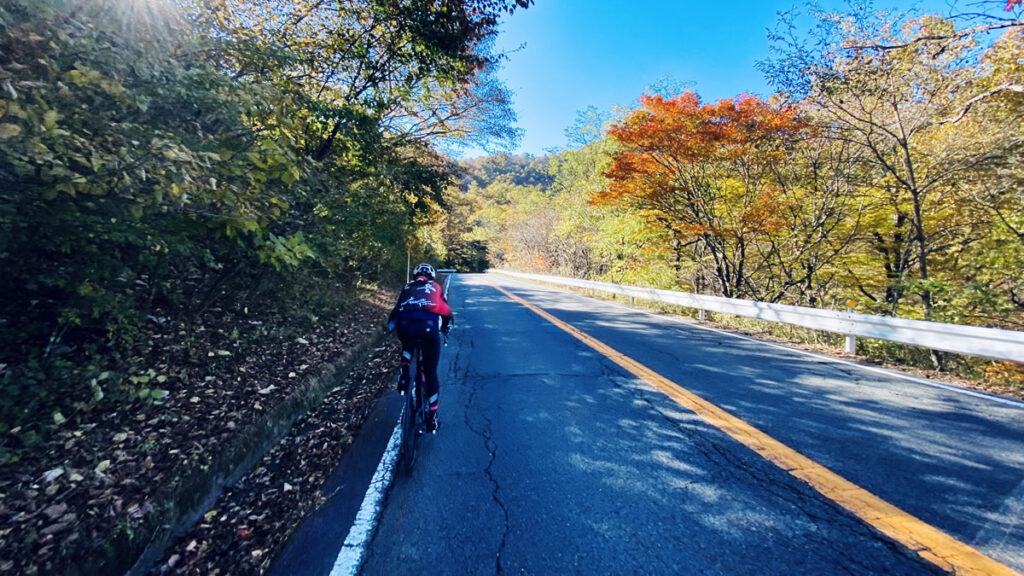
point(991, 343)
point(448, 273)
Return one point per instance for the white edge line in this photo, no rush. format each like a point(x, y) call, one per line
point(350, 557)
point(887, 372)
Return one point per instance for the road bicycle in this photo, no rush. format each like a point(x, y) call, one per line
point(414, 415)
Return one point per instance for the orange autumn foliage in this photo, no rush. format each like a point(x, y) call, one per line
point(674, 150)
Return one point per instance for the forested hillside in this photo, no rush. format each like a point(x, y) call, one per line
point(514, 170)
point(197, 199)
point(159, 160)
point(886, 170)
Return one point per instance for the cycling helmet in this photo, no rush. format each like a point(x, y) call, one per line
point(424, 270)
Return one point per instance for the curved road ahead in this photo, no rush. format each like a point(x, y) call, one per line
point(552, 459)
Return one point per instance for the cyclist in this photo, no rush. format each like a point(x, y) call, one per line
point(421, 315)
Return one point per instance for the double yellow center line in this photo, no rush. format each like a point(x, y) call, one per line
point(929, 542)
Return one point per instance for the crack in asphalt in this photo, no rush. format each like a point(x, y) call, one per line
point(473, 382)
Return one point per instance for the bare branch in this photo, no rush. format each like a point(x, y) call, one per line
point(1007, 87)
point(1003, 24)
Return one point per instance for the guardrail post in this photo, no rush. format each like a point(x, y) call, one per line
point(632, 301)
point(851, 340)
point(701, 315)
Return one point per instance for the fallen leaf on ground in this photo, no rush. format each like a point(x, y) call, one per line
point(55, 511)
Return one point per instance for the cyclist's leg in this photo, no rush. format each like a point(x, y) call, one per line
point(430, 345)
point(408, 339)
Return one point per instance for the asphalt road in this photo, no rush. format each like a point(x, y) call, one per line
point(553, 460)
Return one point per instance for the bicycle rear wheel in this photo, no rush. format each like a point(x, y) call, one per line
point(410, 432)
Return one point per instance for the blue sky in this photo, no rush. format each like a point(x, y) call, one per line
point(578, 53)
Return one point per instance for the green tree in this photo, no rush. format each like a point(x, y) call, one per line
point(155, 164)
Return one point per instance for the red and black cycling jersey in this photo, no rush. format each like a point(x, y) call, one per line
point(421, 299)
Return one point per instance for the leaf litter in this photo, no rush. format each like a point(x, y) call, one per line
point(61, 503)
point(253, 519)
